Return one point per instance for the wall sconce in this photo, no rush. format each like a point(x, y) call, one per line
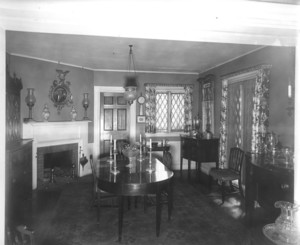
point(30, 101)
point(290, 107)
point(85, 104)
point(130, 84)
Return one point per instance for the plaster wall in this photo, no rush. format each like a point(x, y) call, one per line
point(40, 76)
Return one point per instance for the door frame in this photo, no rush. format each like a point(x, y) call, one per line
point(97, 105)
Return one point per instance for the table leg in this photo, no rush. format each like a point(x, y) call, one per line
point(189, 169)
point(158, 210)
point(170, 198)
point(121, 207)
point(181, 167)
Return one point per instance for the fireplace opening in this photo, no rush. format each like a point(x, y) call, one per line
point(61, 160)
point(57, 163)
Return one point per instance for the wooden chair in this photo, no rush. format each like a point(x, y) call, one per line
point(100, 197)
point(20, 235)
point(233, 172)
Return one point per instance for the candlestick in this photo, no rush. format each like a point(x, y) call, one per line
point(110, 160)
point(290, 91)
point(150, 169)
point(115, 145)
point(150, 144)
point(114, 169)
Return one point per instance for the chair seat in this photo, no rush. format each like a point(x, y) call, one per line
point(224, 174)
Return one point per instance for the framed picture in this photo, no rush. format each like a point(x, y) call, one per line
point(141, 119)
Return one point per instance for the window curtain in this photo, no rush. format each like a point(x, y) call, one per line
point(260, 112)
point(150, 108)
point(188, 106)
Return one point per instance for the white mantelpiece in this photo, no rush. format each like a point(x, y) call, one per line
point(57, 133)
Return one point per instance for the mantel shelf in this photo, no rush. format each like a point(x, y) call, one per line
point(40, 123)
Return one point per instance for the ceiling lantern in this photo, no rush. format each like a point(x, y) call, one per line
point(130, 84)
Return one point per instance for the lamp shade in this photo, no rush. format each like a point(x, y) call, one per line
point(130, 87)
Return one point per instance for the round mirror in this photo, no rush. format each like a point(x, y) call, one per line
point(60, 92)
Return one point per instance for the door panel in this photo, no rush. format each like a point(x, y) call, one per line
point(108, 119)
point(121, 118)
point(114, 119)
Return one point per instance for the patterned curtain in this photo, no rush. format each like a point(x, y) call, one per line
point(188, 106)
point(260, 112)
point(223, 124)
point(150, 106)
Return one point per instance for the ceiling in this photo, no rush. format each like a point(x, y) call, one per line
point(112, 53)
point(167, 36)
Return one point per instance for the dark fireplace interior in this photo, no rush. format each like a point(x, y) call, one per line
point(62, 159)
point(58, 160)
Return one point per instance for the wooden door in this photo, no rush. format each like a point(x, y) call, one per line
point(114, 119)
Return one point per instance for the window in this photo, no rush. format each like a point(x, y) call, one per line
point(168, 108)
point(169, 111)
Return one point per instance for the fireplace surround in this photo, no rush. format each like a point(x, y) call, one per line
point(54, 137)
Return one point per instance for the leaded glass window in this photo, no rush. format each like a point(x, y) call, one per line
point(169, 112)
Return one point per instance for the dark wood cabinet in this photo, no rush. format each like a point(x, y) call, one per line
point(267, 180)
point(198, 150)
point(18, 178)
point(18, 156)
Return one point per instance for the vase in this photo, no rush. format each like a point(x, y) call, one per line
point(73, 114)
point(286, 224)
point(46, 113)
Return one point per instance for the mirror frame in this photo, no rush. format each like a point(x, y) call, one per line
point(60, 92)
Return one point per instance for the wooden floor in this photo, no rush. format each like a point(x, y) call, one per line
point(42, 207)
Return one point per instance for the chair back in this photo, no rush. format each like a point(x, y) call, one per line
point(236, 158)
point(93, 167)
point(167, 160)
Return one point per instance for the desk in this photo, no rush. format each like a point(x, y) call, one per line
point(198, 150)
point(136, 181)
point(267, 180)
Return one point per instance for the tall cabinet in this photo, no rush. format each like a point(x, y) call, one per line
point(18, 162)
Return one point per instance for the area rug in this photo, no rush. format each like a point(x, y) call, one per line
point(195, 220)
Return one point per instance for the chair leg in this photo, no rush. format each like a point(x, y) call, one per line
point(223, 191)
point(241, 188)
point(98, 207)
point(145, 203)
point(210, 180)
point(231, 186)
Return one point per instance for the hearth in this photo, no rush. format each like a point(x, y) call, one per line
point(60, 160)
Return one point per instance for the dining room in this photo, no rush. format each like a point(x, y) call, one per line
point(76, 91)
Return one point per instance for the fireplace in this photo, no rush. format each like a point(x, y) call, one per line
point(56, 137)
point(62, 158)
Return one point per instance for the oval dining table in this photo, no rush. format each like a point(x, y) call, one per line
point(136, 177)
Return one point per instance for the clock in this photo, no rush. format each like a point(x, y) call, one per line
point(141, 100)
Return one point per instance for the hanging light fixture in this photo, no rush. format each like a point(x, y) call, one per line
point(130, 84)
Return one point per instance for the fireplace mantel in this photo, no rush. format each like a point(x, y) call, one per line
point(56, 133)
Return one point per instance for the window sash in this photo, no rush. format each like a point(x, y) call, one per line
point(164, 115)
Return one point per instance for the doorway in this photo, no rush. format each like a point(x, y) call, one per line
point(114, 119)
point(240, 108)
point(244, 116)
point(97, 105)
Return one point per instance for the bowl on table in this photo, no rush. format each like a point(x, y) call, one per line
point(130, 151)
